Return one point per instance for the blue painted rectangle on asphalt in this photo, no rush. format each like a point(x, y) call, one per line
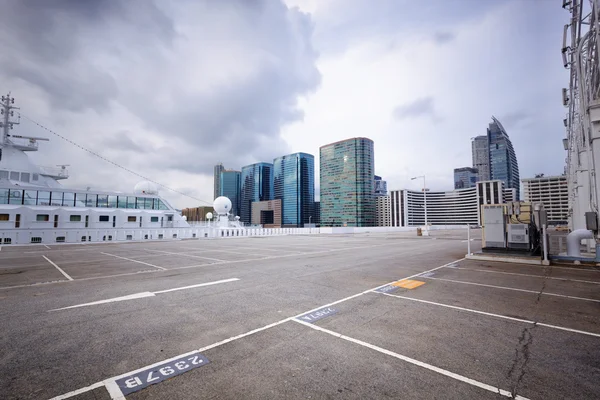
point(387, 289)
point(317, 315)
point(167, 370)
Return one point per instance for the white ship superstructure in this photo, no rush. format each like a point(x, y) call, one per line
point(36, 208)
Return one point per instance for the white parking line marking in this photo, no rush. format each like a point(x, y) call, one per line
point(231, 339)
point(515, 289)
point(46, 247)
point(530, 275)
point(58, 268)
point(185, 255)
point(421, 364)
point(145, 294)
point(562, 328)
point(132, 260)
point(114, 390)
point(198, 266)
point(79, 391)
point(198, 285)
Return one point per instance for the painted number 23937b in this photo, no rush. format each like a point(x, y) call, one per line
point(157, 374)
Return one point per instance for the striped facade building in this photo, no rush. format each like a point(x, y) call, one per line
point(453, 207)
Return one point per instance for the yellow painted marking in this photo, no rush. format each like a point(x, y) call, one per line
point(408, 283)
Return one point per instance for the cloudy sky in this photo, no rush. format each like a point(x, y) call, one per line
point(169, 88)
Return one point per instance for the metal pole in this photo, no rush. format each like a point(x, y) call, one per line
point(545, 243)
point(469, 239)
point(425, 203)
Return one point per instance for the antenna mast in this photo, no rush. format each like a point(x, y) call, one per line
point(6, 111)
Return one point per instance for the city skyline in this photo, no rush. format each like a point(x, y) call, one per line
point(325, 87)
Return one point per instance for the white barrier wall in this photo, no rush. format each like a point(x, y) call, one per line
point(53, 236)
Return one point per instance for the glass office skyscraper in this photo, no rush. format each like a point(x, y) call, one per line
point(481, 157)
point(230, 187)
point(218, 170)
point(347, 183)
point(465, 177)
point(257, 185)
point(294, 185)
point(503, 160)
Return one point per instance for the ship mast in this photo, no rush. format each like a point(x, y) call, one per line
point(6, 111)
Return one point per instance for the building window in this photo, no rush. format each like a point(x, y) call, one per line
point(90, 200)
point(102, 200)
point(80, 200)
point(57, 199)
point(3, 196)
point(103, 218)
point(42, 218)
point(68, 199)
point(75, 218)
point(60, 239)
point(4, 217)
point(153, 219)
point(36, 240)
point(131, 219)
point(16, 197)
point(43, 198)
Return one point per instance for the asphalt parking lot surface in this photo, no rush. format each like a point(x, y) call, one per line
point(323, 316)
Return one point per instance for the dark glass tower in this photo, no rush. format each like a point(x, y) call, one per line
point(230, 187)
point(347, 183)
point(503, 160)
point(257, 185)
point(294, 185)
point(218, 170)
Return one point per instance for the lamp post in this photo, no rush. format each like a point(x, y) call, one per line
point(424, 201)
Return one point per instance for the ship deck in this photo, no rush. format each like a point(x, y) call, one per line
point(330, 316)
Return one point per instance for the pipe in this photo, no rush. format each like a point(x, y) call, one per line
point(469, 240)
point(545, 244)
point(574, 241)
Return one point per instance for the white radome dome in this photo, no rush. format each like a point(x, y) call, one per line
point(184, 217)
point(209, 215)
point(222, 205)
point(146, 187)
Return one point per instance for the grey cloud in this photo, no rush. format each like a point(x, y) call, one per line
point(122, 141)
point(442, 37)
point(56, 45)
point(349, 21)
point(422, 107)
point(137, 55)
point(517, 118)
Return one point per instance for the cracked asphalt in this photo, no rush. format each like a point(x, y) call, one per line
point(465, 330)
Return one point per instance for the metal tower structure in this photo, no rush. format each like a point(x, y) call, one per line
point(581, 39)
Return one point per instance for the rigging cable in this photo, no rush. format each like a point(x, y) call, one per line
point(112, 162)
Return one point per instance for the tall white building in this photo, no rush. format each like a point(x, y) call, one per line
point(383, 211)
point(552, 192)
